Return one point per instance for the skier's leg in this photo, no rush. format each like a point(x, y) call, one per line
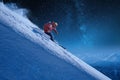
point(51, 37)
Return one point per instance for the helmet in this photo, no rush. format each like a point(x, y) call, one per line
point(54, 24)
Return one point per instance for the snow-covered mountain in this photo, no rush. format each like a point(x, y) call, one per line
point(26, 53)
point(114, 57)
point(112, 61)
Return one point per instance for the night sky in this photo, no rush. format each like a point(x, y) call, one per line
point(82, 23)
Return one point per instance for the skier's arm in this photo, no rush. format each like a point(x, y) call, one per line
point(55, 31)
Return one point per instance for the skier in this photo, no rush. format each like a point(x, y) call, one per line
point(49, 27)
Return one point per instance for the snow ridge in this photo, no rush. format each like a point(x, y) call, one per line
point(27, 29)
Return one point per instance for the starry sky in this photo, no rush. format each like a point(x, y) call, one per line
point(82, 23)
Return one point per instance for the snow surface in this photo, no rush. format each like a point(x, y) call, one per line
point(27, 53)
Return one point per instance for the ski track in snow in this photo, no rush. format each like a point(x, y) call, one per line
point(29, 30)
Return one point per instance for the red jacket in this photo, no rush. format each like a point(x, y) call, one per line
point(48, 27)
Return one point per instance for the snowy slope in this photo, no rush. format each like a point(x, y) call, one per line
point(26, 53)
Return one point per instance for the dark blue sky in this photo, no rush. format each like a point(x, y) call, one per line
point(81, 22)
